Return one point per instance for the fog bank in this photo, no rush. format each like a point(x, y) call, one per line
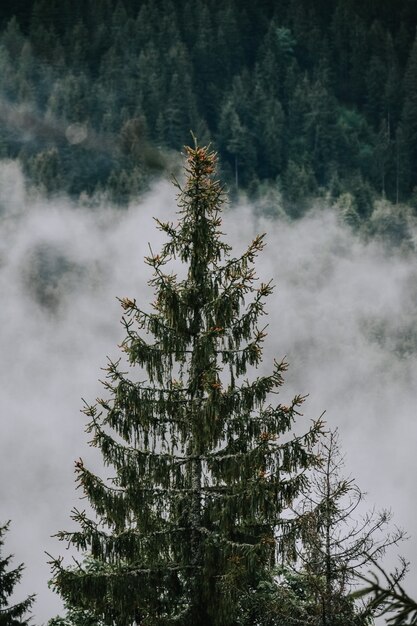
point(343, 312)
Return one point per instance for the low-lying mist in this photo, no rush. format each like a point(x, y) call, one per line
point(343, 313)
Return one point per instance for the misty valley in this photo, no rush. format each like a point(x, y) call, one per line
point(208, 232)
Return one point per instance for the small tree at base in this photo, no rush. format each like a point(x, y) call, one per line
point(337, 544)
point(15, 614)
point(203, 470)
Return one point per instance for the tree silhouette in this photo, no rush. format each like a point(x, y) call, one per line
point(15, 614)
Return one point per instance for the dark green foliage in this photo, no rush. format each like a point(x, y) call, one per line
point(293, 600)
point(77, 616)
point(409, 114)
point(204, 470)
point(273, 84)
point(15, 614)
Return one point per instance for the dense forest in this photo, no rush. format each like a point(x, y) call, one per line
point(308, 98)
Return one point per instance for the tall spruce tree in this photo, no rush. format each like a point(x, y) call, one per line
point(205, 466)
point(11, 614)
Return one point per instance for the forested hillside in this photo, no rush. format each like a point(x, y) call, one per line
point(306, 96)
point(210, 500)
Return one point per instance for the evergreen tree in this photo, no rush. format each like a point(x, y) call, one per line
point(376, 79)
point(336, 543)
point(205, 466)
point(14, 615)
point(359, 59)
point(335, 548)
point(409, 113)
point(320, 127)
point(237, 144)
point(45, 169)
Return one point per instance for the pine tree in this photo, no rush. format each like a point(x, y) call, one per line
point(14, 615)
point(205, 467)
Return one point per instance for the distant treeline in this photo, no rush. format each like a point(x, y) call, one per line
point(306, 95)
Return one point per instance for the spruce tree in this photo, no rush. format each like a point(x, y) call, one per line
point(15, 614)
point(205, 466)
point(337, 542)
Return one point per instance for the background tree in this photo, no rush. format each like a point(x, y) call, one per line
point(195, 514)
point(337, 544)
point(15, 614)
point(409, 113)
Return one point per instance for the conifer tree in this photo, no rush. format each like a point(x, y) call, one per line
point(205, 465)
point(337, 543)
point(11, 615)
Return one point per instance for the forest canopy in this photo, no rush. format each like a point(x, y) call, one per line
point(305, 96)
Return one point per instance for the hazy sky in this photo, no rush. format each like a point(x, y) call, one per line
point(342, 312)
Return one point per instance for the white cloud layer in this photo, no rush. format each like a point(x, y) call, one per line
point(343, 313)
